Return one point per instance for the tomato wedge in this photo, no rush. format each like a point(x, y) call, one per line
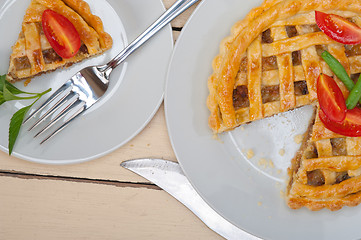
point(61, 34)
point(350, 126)
point(330, 98)
point(338, 28)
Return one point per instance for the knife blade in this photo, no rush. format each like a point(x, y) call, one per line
point(170, 177)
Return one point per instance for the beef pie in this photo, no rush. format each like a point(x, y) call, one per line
point(32, 54)
point(270, 64)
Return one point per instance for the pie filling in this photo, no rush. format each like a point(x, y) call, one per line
point(49, 55)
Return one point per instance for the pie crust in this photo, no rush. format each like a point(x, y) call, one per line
point(32, 54)
point(270, 64)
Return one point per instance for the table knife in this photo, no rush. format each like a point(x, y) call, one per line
point(170, 177)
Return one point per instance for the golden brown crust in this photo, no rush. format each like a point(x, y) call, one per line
point(326, 172)
point(226, 65)
point(32, 43)
point(94, 21)
point(337, 159)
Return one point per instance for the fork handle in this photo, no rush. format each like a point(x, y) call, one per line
point(177, 8)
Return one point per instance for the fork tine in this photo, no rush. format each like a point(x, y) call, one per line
point(65, 124)
point(49, 100)
point(55, 107)
point(67, 109)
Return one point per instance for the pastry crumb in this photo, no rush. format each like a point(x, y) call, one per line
point(242, 128)
point(282, 194)
point(259, 203)
point(216, 137)
point(250, 154)
point(279, 171)
point(27, 81)
point(266, 163)
point(298, 139)
point(282, 152)
point(262, 162)
point(271, 164)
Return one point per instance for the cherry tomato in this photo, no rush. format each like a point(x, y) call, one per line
point(350, 126)
point(330, 98)
point(61, 34)
point(338, 28)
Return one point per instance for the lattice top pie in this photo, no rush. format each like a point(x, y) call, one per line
point(270, 64)
point(32, 53)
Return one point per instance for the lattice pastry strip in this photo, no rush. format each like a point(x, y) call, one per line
point(286, 73)
point(254, 74)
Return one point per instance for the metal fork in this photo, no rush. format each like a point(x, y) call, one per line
point(87, 86)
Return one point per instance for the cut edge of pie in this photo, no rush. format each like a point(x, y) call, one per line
point(280, 34)
point(32, 54)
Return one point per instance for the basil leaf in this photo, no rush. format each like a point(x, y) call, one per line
point(2, 83)
point(14, 90)
point(15, 125)
point(2, 99)
point(9, 96)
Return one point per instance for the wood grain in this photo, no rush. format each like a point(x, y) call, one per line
point(53, 209)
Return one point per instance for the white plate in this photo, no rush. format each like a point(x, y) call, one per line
point(246, 192)
point(136, 89)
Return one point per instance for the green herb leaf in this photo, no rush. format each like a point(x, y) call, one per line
point(2, 83)
point(15, 125)
point(14, 90)
point(8, 92)
point(2, 99)
point(9, 96)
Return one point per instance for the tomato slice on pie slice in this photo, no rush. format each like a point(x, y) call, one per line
point(330, 98)
point(61, 34)
point(338, 28)
point(350, 126)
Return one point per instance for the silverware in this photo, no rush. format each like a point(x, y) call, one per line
point(170, 177)
point(87, 86)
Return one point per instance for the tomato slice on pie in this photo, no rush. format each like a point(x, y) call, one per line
point(338, 28)
point(330, 98)
point(350, 126)
point(61, 34)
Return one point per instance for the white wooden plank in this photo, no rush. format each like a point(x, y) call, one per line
point(47, 209)
point(181, 19)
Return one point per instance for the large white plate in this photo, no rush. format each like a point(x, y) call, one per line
point(246, 192)
point(136, 89)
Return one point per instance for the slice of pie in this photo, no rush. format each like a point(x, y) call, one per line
point(33, 55)
point(270, 64)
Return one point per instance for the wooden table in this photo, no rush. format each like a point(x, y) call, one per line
point(97, 199)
